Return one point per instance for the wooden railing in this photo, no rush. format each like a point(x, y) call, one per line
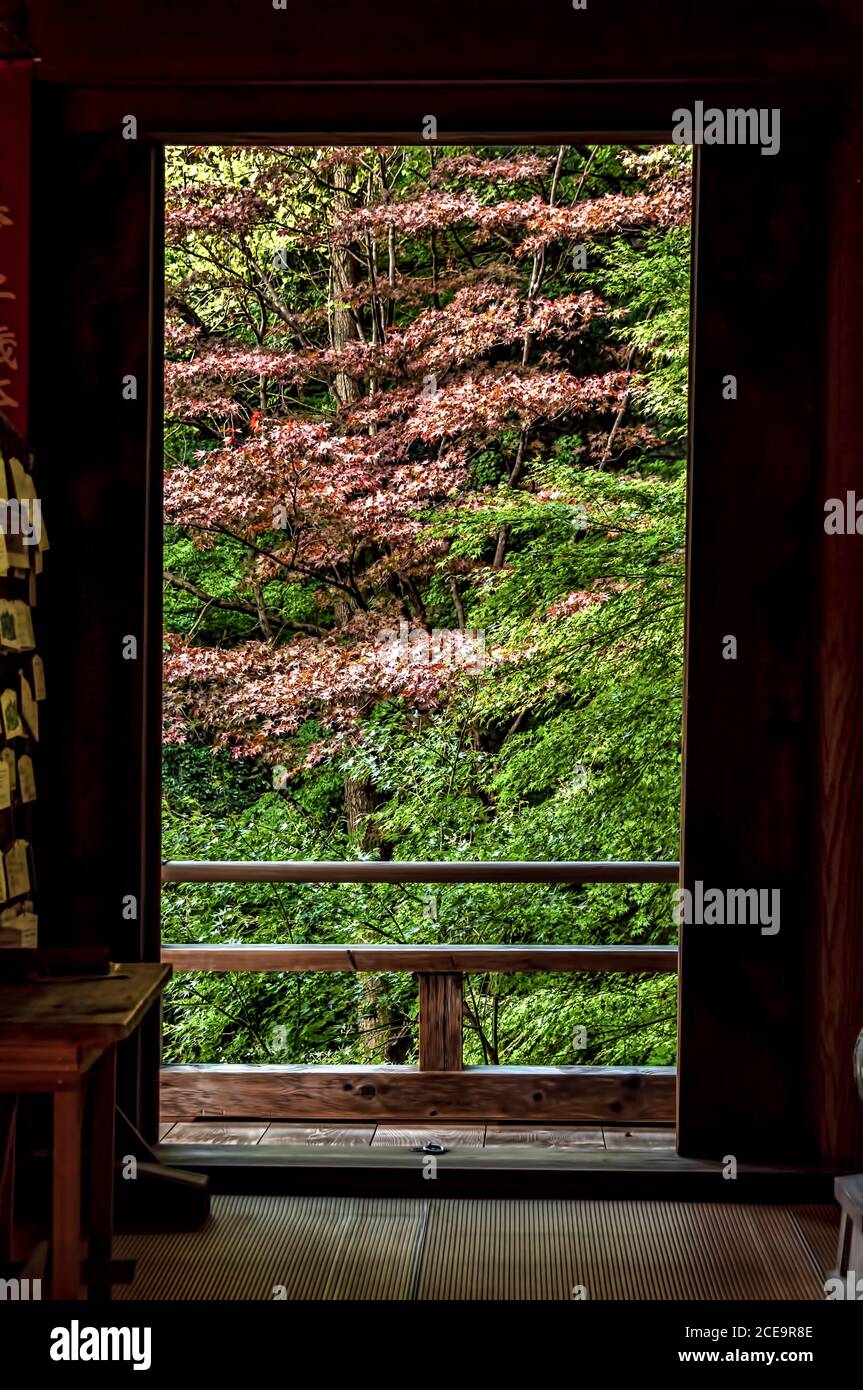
point(419, 871)
point(441, 1086)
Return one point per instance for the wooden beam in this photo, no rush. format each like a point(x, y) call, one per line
point(596, 1095)
point(441, 1021)
point(381, 960)
point(139, 42)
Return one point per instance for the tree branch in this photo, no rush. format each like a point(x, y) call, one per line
point(263, 615)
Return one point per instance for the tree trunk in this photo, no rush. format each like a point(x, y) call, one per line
point(344, 279)
point(359, 805)
point(376, 1020)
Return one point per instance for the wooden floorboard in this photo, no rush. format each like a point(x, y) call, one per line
point(639, 1138)
point(450, 1136)
point(388, 1248)
point(195, 1133)
point(465, 1135)
point(555, 1137)
point(318, 1135)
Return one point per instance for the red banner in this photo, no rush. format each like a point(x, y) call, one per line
point(14, 239)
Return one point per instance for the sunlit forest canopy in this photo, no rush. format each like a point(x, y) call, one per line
point(424, 574)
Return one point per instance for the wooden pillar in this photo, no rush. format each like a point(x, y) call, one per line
point(836, 958)
point(755, 524)
point(93, 408)
point(441, 1021)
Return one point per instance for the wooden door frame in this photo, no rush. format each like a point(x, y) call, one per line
point(766, 1086)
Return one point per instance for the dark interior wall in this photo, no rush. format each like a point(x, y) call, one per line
point(765, 1069)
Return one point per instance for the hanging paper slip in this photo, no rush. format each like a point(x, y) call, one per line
point(26, 778)
point(17, 869)
point(11, 719)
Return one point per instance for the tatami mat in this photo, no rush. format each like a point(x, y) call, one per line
point(373, 1248)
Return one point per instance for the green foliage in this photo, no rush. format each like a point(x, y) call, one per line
point(651, 282)
point(568, 748)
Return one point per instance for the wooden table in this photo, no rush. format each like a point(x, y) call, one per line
point(60, 1036)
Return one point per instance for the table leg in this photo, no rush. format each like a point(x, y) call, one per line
point(66, 1214)
point(8, 1111)
point(101, 1198)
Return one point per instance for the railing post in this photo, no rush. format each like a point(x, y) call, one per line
point(440, 1021)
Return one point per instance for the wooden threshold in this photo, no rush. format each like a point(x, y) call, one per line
point(563, 1095)
point(505, 1170)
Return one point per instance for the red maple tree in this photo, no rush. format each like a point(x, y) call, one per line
point(353, 334)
